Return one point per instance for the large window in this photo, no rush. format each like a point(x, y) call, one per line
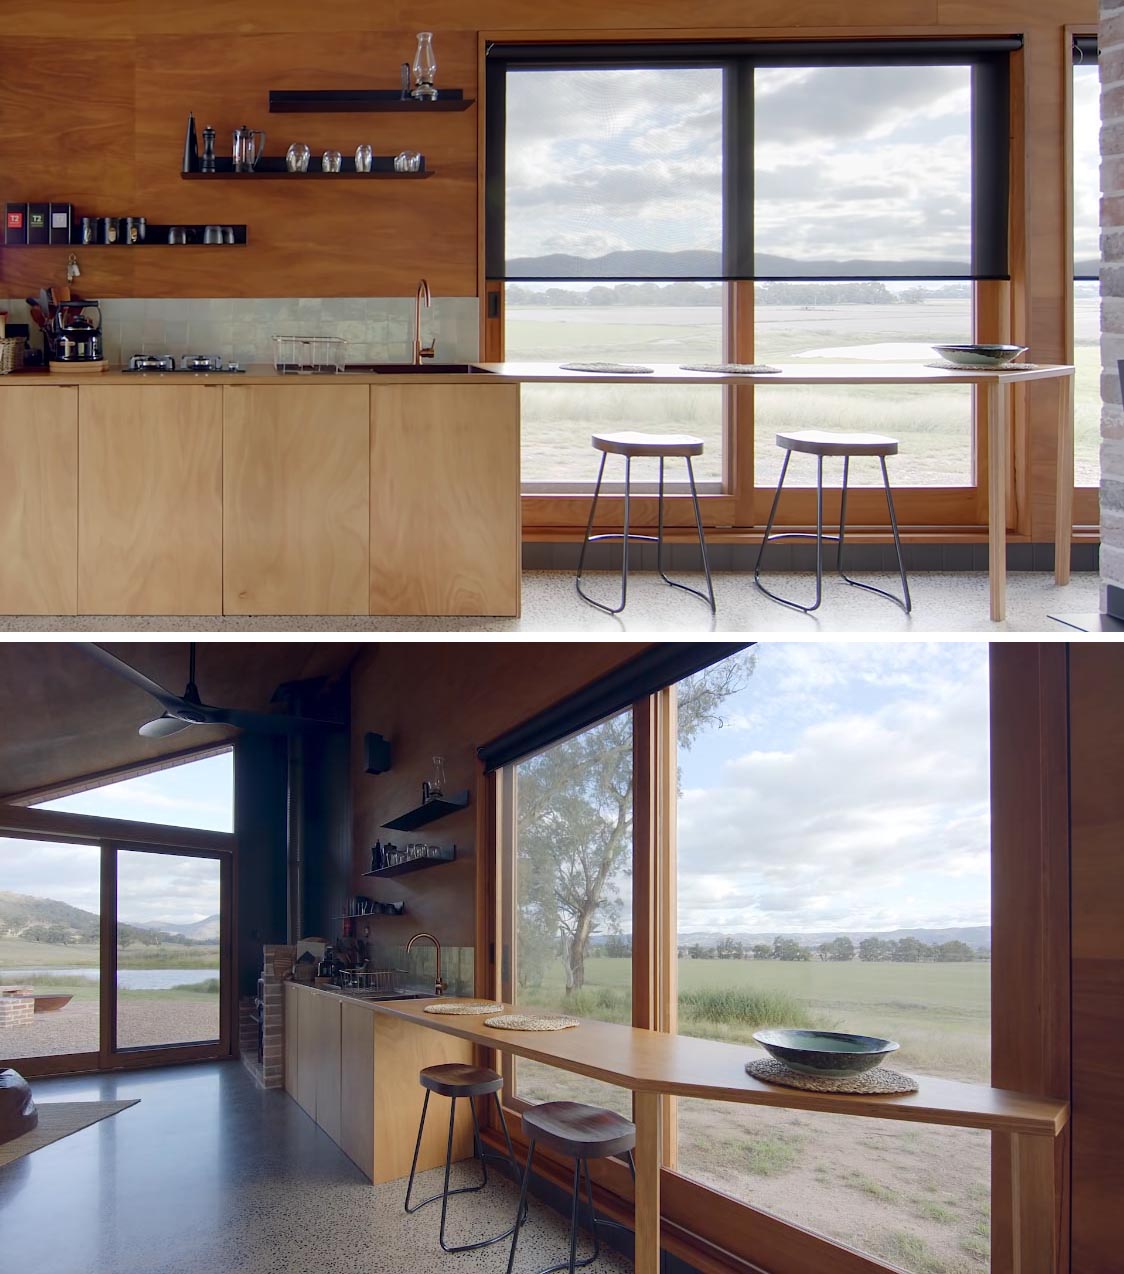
point(815, 852)
point(834, 872)
point(1086, 260)
point(863, 187)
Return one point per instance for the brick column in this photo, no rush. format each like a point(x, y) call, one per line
point(1111, 42)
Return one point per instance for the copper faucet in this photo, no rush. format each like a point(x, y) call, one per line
point(422, 351)
point(438, 985)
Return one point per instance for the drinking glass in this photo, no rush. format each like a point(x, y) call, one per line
point(364, 154)
point(331, 161)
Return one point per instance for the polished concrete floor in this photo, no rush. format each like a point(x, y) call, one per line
point(942, 602)
point(211, 1175)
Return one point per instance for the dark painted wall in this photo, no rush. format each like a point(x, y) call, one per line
point(260, 767)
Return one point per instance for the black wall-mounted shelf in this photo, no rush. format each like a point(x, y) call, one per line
point(429, 812)
point(273, 168)
point(360, 101)
point(156, 236)
point(416, 864)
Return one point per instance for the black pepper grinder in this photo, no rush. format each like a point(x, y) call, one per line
point(376, 856)
point(207, 162)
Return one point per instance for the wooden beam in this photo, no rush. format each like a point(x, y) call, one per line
point(16, 820)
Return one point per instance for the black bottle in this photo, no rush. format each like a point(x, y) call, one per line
point(376, 856)
point(190, 147)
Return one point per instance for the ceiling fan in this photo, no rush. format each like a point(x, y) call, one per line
point(182, 711)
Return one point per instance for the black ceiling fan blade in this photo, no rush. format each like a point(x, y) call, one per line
point(163, 697)
point(267, 722)
point(163, 727)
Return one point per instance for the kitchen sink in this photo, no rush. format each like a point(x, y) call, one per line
point(382, 995)
point(424, 369)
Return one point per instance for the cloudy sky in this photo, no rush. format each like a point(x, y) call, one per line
point(150, 886)
point(848, 790)
point(850, 162)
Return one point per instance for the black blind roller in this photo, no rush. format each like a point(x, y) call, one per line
point(1086, 159)
point(665, 663)
point(841, 160)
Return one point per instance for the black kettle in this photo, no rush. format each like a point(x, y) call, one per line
point(77, 337)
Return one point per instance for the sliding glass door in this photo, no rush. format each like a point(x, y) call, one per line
point(168, 953)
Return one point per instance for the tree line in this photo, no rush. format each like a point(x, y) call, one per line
point(841, 949)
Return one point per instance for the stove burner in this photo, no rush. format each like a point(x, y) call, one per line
point(189, 363)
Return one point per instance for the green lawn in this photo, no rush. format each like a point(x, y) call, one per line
point(15, 953)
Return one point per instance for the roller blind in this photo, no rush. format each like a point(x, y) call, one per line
point(774, 161)
point(1086, 159)
point(665, 663)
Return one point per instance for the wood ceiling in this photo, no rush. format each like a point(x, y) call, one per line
point(63, 716)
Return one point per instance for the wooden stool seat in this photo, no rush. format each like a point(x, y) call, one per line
point(579, 1131)
point(818, 442)
point(457, 1079)
point(630, 443)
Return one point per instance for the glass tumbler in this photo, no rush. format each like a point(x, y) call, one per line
point(364, 155)
point(331, 161)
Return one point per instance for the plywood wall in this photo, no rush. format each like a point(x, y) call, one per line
point(94, 99)
point(447, 699)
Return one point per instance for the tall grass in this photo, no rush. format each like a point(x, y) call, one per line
point(209, 987)
point(734, 1008)
point(51, 979)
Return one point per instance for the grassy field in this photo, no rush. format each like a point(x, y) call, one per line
point(15, 953)
point(918, 1196)
point(932, 425)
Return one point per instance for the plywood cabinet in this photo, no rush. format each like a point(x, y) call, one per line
point(295, 499)
point(39, 500)
point(327, 1017)
point(357, 1086)
point(150, 500)
point(292, 1011)
point(445, 516)
point(304, 1090)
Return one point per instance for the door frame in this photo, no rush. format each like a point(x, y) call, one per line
point(111, 835)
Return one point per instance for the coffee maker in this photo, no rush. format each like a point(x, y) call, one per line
point(75, 335)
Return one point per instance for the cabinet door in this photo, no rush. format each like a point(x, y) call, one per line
point(150, 500)
point(38, 500)
point(295, 504)
point(292, 1013)
point(328, 1064)
point(445, 518)
point(307, 1052)
point(357, 1085)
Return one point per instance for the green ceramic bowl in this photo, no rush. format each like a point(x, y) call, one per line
point(983, 355)
point(834, 1054)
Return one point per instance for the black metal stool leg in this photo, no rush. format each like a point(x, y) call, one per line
point(507, 1138)
point(521, 1210)
point(575, 1212)
point(904, 602)
point(843, 516)
point(770, 536)
point(590, 538)
point(414, 1164)
point(708, 596)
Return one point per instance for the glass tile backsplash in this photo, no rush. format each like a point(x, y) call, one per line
point(241, 329)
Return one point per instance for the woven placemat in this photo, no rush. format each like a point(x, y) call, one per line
point(466, 1007)
point(878, 1080)
point(979, 367)
point(525, 1022)
point(731, 369)
point(617, 369)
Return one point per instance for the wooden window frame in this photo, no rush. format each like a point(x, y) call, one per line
point(111, 835)
point(1030, 962)
point(925, 514)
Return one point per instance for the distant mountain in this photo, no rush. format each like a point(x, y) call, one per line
point(702, 264)
point(206, 930)
point(48, 920)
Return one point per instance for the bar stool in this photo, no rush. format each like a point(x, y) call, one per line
point(664, 447)
point(581, 1133)
point(819, 444)
point(456, 1080)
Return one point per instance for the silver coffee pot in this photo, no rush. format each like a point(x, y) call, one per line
point(249, 146)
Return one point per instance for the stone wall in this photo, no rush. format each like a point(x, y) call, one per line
point(1112, 290)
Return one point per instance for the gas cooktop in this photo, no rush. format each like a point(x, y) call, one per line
point(192, 364)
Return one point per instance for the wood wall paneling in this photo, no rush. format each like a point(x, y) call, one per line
point(295, 511)
point(445, 530)
point(1097, 793)
point(39, 501)
point(150, 500)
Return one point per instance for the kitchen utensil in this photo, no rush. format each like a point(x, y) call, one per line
point(297, 157)
point(364, 154)
point(408, 161)
point(248, 149)
point(207, 161)
point(425, 68)
point(980, 355)
point(76, 338)
point(177, 234)
point(331, 161)
point(212, 234)
point(833, 1053)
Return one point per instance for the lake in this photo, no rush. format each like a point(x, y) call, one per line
point(130, 979)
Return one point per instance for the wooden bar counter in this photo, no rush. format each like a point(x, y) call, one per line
point(651, 1064)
